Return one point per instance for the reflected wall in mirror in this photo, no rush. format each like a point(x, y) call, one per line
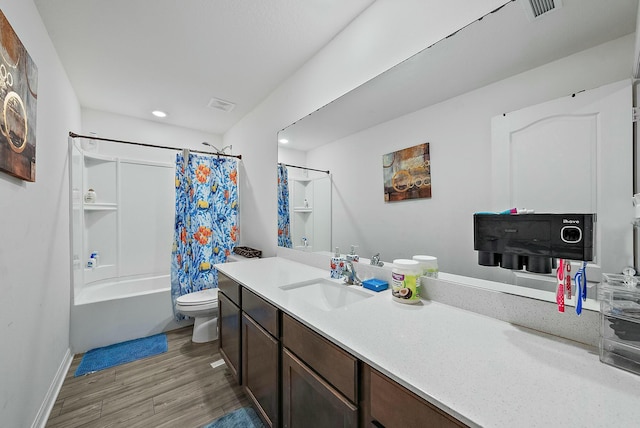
point(304, 208)
point(453, 95)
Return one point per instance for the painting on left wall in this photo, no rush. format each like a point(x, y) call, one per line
point(18, 96)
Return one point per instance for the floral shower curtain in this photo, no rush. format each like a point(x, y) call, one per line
point(284, 234)
point(206, 222)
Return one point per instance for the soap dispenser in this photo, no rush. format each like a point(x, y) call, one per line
point(337, 265)
point(352, 256)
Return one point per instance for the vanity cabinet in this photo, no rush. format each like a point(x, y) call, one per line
point(261, 355)
point(229, 324)
point(390, 405)
point(296, 378)
point(319, 380)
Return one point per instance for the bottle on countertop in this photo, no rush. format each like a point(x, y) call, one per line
point(428, 265)
point(337, 265)
point(352, 255)
point(404, 281)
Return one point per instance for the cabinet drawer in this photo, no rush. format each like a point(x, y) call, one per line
point(263, 312)
point(229, 287)
point(392, 405)
point(338, 367)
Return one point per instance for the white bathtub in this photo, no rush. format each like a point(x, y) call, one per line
point(110, 312)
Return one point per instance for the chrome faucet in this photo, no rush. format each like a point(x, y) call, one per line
point(375, 260)
point(350, 275)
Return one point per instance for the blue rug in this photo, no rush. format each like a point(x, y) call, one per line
point(120, 353)
point(244, 417)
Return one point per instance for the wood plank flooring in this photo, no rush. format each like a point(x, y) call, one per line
point(176, 389)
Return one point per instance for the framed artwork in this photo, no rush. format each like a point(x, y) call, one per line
point(407, 173)
point(18, 96)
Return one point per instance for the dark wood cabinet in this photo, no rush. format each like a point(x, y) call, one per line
point(310, 401)
point(260, 370)
point(296, 378)
point(388, 404)
point(229, 334)
point(331, 362)
point(262, 312)
point(230, 288)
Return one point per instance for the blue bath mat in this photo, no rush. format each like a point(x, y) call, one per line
point(244, 417)
point(120, 353)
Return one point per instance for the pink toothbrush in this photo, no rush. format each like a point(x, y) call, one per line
point(560, 291)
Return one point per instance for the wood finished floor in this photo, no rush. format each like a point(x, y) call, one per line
point(175, 389)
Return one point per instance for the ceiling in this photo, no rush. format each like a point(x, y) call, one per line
point(501, 44)
point(134, 56)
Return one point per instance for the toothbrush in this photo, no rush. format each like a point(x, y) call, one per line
point(581, 287)
point(560, 290)
point(567, 278)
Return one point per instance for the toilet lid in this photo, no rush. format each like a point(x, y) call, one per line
point(199, 297)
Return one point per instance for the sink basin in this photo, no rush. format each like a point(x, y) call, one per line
point(325, 294)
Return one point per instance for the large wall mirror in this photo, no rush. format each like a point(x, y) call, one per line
point(482, 98)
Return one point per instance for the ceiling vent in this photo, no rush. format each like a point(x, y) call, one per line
point(219, 104)
point(537, 8)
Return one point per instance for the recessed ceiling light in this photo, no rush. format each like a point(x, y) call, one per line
point(283, 140)
point(159, 113)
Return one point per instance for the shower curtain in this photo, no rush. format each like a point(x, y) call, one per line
point(206, 221)
point(284, 234)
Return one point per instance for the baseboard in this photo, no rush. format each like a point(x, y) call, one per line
point(50, 399)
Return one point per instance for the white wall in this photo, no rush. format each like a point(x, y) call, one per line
point(292, 156)
point(118, 127)
point(34, 238)
point(459, 133)
point(388, 32)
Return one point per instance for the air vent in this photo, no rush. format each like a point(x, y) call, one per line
point(537, 8)
point(219, 104)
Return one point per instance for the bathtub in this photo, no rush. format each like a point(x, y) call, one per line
point(114, 311)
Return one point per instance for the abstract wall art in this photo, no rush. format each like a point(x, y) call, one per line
point(18, 96)
point(407, 173)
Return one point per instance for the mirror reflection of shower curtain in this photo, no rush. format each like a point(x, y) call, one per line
point(206, 221)
point(284, 221)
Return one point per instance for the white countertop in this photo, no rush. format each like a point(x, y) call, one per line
point(481, 370)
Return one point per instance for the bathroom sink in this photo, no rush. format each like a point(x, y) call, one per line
point(326, 294)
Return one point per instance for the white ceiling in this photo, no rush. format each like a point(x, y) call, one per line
point(134, 56)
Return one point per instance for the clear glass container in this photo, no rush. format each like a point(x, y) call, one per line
point(619, 297)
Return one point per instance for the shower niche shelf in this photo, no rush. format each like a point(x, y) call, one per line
point(310, 202)
point(100, 207)
point(130, 222)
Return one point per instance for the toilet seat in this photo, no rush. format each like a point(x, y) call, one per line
point(197, 298)
point(202, 306)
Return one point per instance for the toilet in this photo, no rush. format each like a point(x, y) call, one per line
point(203, 307)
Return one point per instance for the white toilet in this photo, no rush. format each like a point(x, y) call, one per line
point(203, 306)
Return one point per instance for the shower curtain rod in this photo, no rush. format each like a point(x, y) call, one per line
point(74, 135)
point(304, 167)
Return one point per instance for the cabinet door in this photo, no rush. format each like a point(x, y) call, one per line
point(309, 401)
point(260, 376)
point(392, 406)
point(229, 337)
point(333, 364)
